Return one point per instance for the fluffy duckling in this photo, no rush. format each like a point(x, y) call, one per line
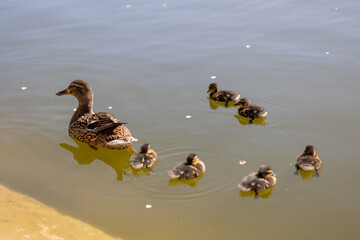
point(257, 181)
point(222, 95)
point(250, 111)
point(309, 160)
point(96, 129)
point(146, 158)
point(192, 168)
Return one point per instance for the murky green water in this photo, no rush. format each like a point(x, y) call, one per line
point(152, 62)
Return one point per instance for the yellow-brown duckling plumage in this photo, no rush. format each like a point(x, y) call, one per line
point(309, 160)
point(192, 168)
point(96, 129)
point(249, 110)
point(263, 179)
point(146, 158)
point(222, 95)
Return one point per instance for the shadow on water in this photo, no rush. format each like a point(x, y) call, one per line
point(307, 175)
point(261, 194)
point(191, 182)
point(117, 159)
point(215, 104)
point(247, 121)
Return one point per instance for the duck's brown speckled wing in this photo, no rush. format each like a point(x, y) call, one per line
point(184, 171)
point(251, 112)
point(308, 163)
point(224, 96)
point(102, 120)
point(98, 128)
point(253, 183)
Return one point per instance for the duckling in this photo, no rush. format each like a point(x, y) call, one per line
point(146, 158)
point(250, 111)
point(192, 168)
point(222, 95)
point(96, 129)
point(258, 181)
point(309, 160)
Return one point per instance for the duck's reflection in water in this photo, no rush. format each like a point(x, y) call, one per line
point(264, 194)
point(307, 175)
point(215, 104)
point(183, 181)
point(248, 121)
point(117, 159)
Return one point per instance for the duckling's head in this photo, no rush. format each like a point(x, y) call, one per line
point(192, 159)
point(79, 89)
point(213, 88)
point(264, 171)
point(243, 103)
point(145, 148)
point(310, 150)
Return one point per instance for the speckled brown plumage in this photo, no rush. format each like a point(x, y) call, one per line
point(309, 160)
point(222, 95)
point(193, 167)
point(258, 181)
point(249, 110)
point(97, 129)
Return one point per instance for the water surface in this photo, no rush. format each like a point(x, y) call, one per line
point(152, 62)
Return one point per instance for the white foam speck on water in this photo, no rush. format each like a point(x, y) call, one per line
point(110, 107)
point(24, 88)
point(213, 77)
point(148, 206)
point(327, 53)
point(188, 116)
point(336, 8)
point(248, 46)
point(242, 162)
point(74, 109)
point(164, 5)
point(128, 6)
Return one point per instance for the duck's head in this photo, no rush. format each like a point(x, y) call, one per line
point(145, 148)
point(243, 103)
point(212, 88)
point(79, 89)
point(265, 171)
point(192, 159)
point(310, 150)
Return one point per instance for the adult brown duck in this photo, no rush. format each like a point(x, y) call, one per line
point(96, 129)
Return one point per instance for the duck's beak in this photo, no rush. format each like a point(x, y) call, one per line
point(63, 92)
point(208, 91)
point(237, 104)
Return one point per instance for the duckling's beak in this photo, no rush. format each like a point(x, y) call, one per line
point(237, 104)
point(63, 92)
point(208, 91)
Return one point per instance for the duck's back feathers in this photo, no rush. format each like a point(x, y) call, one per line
point(225, 96)
point(101, 129)
point(142, 160)
point(308, 163)
point(102, 121)
point(184, 171)
point(252, 112)
point(253, 183)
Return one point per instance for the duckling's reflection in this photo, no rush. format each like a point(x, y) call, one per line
point(117, 159)
point(215, 104)
point(264, 194)
point(183, 181)
point(307, 175)
point(249, 121)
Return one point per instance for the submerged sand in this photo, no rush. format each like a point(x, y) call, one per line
point(22, 217)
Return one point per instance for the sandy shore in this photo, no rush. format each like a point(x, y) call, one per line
point(22, 217)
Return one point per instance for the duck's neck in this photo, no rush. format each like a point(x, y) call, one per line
point(85, 106)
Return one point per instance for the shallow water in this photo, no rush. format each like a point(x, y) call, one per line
point(152, 63)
